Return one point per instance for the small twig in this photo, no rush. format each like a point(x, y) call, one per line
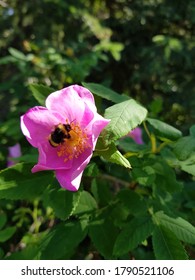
point(115, 180)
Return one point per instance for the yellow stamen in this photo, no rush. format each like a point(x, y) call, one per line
point(75, 145)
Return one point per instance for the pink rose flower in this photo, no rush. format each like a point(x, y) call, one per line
point(13, 152)
point(136, 135)
point(65, 133)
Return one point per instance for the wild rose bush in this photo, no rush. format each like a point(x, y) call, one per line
point(116, 184)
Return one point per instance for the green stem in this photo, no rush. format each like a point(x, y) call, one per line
point(152, 139)
point(35, 216)
point(161, 146)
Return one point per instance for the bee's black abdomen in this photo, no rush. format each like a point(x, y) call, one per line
point(59, 135)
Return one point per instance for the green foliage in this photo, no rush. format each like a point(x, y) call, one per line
point(180, 227)
point(164, 130)
point(103, 233)
point(3, 220)
point(18, 182)
point(62, 240)
point(166, 245)
point(133, 234)
point(7, 233)
point(40, 92)
point(184, 147)
point(110, 153)
point(135, 201)
point(124, 116)
point(105, 92)
point(62, 202)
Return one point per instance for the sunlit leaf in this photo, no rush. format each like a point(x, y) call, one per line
point(124, 117)
point(85, 204)
point(17, 54)
point(111, 154)
point(180, 227)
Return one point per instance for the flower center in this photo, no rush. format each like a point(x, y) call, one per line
point(70, 140)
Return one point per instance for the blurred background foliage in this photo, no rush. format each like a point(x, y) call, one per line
point(142, 48)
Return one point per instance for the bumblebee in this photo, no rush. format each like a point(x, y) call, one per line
point(59, 135)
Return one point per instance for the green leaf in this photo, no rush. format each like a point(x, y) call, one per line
point(17, 54)
point(124, 116)
point(11, 128)
point(7, 233)
point(183, 230)
point(63, 202)
point(63, 239)
point(91, 170)
point(114, 48)
point(185, 146)
point(184, 149)
point(128, 145)
point(1, 254)
point(133, 234)
point(192, 130)
point(105, 92)
point(86, 204)
point(165, 177)
point(160, 39)
point(3, 220)
point(166, 245)
point(156, 106)
point(111, 154)
point(132, 201)
point(164, 130)
point(31, 252)
point(103, 233)
point(144, 175)
point(17, 182)
point(100, 189)
point(40, 92)
point(188, 165)
point(6, 60)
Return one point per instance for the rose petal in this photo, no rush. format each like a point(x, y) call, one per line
point(38, 123)
point(70, 179)
point(49, 159)
point(96, 126)
point(86, 96)
point(87, 117)
point(67, 102)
